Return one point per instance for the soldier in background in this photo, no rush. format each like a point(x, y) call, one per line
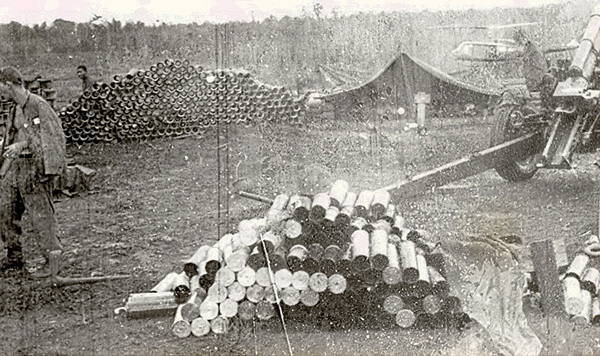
point(535, 67)
point(534, 63)
point(86, 81)
point(33, 154)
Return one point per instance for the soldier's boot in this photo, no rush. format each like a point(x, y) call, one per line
point(14, 259)
point(51, 268)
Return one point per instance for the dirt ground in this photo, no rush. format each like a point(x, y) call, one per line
point(154, 203)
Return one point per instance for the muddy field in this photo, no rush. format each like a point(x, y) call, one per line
point(154, 203)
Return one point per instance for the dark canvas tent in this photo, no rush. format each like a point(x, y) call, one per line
point(395, 86)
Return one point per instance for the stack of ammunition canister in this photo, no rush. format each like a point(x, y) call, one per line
point(341, 254)
point(174, 98)
point(581, 284)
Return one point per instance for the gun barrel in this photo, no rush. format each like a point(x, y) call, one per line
point(585, 56)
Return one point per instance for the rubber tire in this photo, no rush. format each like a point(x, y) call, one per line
point(513, 171)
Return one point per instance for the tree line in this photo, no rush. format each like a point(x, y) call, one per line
point(286, 51)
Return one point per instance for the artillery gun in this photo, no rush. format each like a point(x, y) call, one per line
point(566, 116)
point(532, 131)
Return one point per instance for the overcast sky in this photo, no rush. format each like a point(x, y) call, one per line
point(185, 11)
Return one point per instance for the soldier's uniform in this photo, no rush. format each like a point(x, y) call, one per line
point(534, 67)
point(87, 83)
point(27, 185)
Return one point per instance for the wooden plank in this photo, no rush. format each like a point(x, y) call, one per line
point(544, 264)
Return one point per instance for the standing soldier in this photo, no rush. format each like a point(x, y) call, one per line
point(534, 62)
point(86, 81)
point(33, 154)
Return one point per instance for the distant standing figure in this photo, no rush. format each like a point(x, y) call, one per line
point(87, 82)
point(534, 62)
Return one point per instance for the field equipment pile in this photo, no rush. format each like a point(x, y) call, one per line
point(344, 256)
point(581, 284)
point(174, 98)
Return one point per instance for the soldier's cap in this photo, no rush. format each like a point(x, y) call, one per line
point(10, 75)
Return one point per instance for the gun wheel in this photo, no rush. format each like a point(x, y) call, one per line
point(508, 125)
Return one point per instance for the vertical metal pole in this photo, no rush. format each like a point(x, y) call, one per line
point(218, 58)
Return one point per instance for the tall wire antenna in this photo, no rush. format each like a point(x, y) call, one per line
point(277, 300)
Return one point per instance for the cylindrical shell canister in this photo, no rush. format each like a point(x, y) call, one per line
point(290, 296)
point(265, 310)
point(293, 203)
point(590, 280)
point(181, 327)
point(405, 318)
point(319, 206)
point(331, 213)
point(256, 259)
point(577, 266)
point(315, 251)
point(236, 291)
point(338, 192)
point(246, 277)
point(438, 282)
point(247, 310)
point(216, 293)
point(363, 203)
point(300, 280)
point(237, 260)
point(583, 317)
point(214, 258)
point(271, 241)
point(595, 311)
point(318, 282)
point(219, 325)
point(270, 295)
point(255, 293)
point(408, 255)
point(228, 308)
point(181, 289)
point(331, 256)
point(432, 304)
point(360, 251)
point(293, 229)
point(337, 284)
point(191, 266)
point(379, 249)
point(302, 211)
point(200, 327)
point(309, 297)
point(390, 213)
point(398, 225)
point(422, 267)
point(166, 284)
point(392, 274)
point(382, 224)
point(379, 204)
point(296, 256)
point(349, 200)
point(248, 236)
point(209, 310)
point(283, 278)
point(393, 304)
point(280, 202)
point(573, 301)
point(263, 277)
point(224, 242)
point(245, 225)
point(224, 277)
point(359, 223)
